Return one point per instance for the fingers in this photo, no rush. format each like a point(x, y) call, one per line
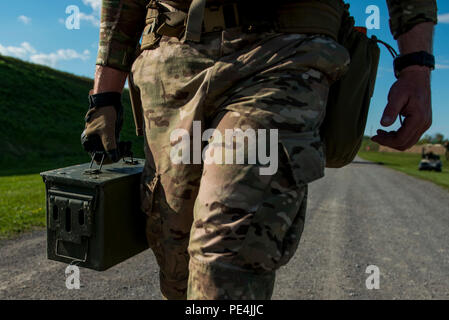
point(113, 155)
point(108, 139)
point(91, 142)
point(410, 97)
point(406, 137)
point(396, 101)
point(100, 133)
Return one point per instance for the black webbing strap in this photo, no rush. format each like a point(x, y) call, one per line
point(105, 99)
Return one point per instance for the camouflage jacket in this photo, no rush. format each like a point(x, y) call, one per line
point(122, 23)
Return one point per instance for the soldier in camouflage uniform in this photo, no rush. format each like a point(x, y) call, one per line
point(220, 231)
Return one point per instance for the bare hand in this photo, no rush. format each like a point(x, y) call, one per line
point(410, 97)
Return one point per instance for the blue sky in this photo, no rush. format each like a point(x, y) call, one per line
point(35, 31)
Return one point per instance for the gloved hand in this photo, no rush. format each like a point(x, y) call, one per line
point(104, 120)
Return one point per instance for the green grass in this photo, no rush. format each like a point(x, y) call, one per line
point(408, 163)
point(22, 204)
point(41, 119)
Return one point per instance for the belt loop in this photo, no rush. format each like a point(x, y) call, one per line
point(195, 20)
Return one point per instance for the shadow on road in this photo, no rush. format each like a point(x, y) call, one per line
point(367, 162)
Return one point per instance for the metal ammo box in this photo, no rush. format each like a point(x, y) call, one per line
point(95, 218)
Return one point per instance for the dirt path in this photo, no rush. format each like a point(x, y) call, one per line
point(358, 216)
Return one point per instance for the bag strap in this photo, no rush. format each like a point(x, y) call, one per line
point(195, 19)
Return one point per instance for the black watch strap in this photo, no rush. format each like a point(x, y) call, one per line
point(421, 58)
point(105, 99)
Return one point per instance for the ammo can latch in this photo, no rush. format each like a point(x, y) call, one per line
point(71, 218)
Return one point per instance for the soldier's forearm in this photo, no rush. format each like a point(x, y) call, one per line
point(109, 80)
point(420, 38)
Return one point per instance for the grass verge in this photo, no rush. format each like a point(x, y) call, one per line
point(22, 204)
point(408, 163)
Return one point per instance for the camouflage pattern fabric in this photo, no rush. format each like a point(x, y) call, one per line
point(122, 24)
point(222, 230)
point(404, 15)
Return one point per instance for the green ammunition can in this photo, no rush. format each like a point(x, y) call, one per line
point(94, 216)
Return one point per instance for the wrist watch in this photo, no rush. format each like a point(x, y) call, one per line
point(421, 58)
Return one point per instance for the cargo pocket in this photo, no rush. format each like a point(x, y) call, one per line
point(275, 229)
point(277, 223)
point(305, 153)
point(293, 235)
point(149, 185)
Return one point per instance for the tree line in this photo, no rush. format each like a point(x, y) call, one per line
point(437, 138)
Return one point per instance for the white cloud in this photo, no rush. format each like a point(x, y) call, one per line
point(443, 18)
point(26, 52)
point(441, 67)
point(24, 19)
point(94, 4)
point(92, 18)
point(52, 59)
point(22, 52)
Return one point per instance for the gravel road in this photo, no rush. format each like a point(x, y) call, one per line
point(361, 215)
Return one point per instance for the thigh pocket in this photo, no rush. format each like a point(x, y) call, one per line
point(305, 153)
point(275, 229)
point(292, 237)
point(150, 182)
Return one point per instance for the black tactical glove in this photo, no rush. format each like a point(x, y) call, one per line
point(104, 120)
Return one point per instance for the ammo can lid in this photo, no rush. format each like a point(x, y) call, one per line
point(78, 174)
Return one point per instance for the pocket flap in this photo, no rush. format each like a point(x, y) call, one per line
point(306, 155)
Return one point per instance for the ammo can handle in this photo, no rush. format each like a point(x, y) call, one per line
point(71, 258)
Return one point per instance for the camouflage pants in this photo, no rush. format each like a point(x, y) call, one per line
point(220, 231)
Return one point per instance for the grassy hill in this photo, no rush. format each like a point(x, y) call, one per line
point(41, 119)
point(42, 116)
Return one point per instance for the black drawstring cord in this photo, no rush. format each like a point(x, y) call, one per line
point(392, 51)
point(394, 54)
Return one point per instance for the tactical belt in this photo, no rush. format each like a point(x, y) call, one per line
point(304, 16)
